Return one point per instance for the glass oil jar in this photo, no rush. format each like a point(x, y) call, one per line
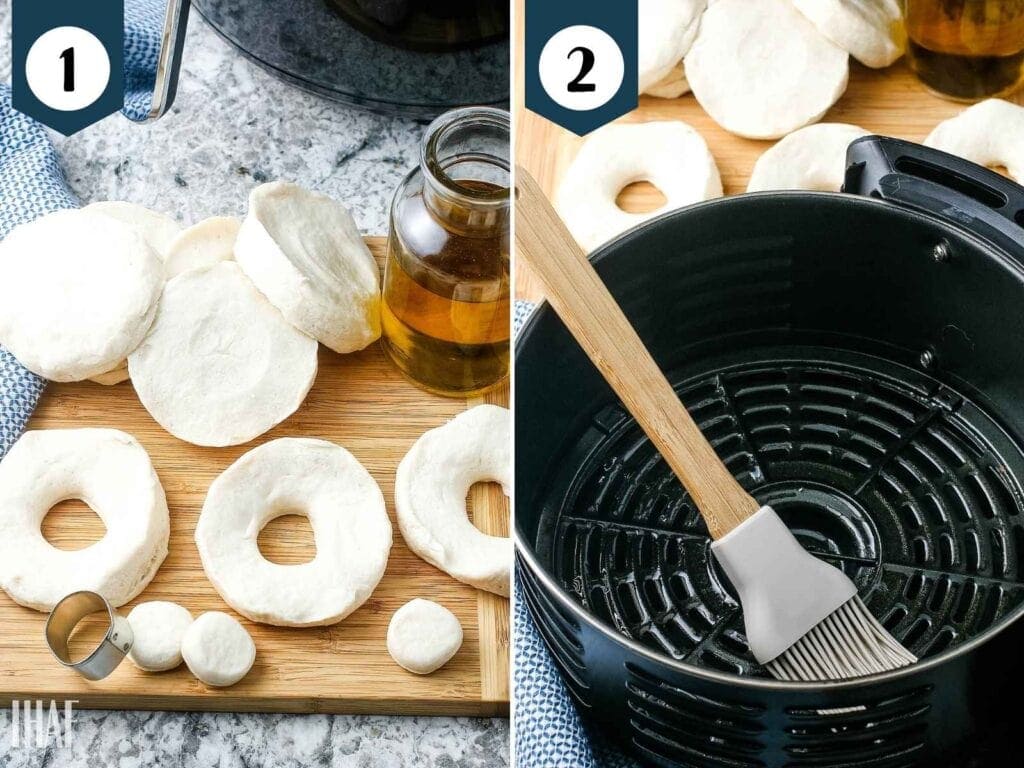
point(966, 50)
point(445, 311)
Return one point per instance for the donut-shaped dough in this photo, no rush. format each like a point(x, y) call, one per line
point(666, 30)
point(870, 30)
point(423, 636)
point(671, 86)
point(202, 245)
point(760, 69)
point(220, 365)
point(110, 472)
point(158, 627)
point(811, 158)
point(77, 293)
point(304, 252)
point(155, 228)
point(989, 133)
point(430, 496)
point(345, 509)
point(217, 649)
point(669, 154)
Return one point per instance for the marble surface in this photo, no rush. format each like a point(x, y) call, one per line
point(233, 127)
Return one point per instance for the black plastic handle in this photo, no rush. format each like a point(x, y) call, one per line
point(965, 194)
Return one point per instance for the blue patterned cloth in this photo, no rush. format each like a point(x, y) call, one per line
point(32, 184)
point(549, 731)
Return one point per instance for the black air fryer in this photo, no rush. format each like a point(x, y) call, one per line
point(857, 360)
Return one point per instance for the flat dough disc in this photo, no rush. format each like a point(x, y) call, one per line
point(155, 228)
point(990, 133)
point(870, 30)
point(202, 245)
point(78, 291)
point(671, 86)
point(761, 70)
point(158, 627)
point(217, 649)
point(666, 30)
point(423, 636)
point(304, 252)
point(811, 158)
point(220, 366)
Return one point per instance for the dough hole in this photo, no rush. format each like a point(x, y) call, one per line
point(488, 496)
point(71, 525)
point(87, 635)
point(640, 197)
point(288, 539)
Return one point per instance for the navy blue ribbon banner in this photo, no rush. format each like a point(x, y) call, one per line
point(580, 61)
point(68, 61)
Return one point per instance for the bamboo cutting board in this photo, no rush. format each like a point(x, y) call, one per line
point(888, 101)
point(361, 402)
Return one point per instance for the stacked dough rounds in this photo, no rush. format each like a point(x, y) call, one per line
point(989, 133)
point(220, 365)
point(762, 70)
point(111, 473)
point(811, 158)
point(78, 291)
point(345, 509)
point(666, 31)
point(304, 252)
point(155, 228)
point(669, 154)
point(202, 245)
point(430, 496)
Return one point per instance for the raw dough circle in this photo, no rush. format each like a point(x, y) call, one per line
point(430, 496)
point(670, 154)
point(155, 228)
point(110, 472)
point(989, 133)
point(671, 86)
point(202, 245)
point(77, 293)
point(115, 376)
point(811, 158)
point(870, 30)
point(158, 627)
point(345, 509)
point(304, 252)
point(220, 366)
point(761, 69)
point(666, 30)
point(423, 636)
point(217, 649)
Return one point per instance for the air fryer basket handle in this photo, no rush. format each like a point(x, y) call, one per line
point(965, 194)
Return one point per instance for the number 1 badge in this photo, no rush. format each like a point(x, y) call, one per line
point(67, 66)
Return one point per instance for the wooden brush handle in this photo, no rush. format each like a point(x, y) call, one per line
point(590, 313)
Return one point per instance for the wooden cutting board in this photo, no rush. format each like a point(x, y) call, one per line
point(888, 101)
point(361, 402)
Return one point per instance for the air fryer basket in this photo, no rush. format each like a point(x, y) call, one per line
point(857, 363)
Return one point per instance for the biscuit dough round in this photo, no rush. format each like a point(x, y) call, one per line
point(870, 30)
point(155, 228)
point(761, 70)
point(202, 245)
point(221, 366)
point(811, 158)
point(430, 496)
point(345, 509)
point(217, 649)
point(423, 636)
point(669, 154)
point(78, 292)
point(989, 133)
point(671, 86)
point(113, 475)
point(666, 30)
point(158, 627)
point(116, 376)
point(304, 252)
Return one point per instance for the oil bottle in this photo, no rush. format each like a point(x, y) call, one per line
point(445, 312)
point(967, 50)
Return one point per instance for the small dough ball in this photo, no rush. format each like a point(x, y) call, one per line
point(202, 245)
point(761, 70)
point(811, 158)
point(158, 627)
point(423, 636)
point(78, 292)
point(671, 86)
point(870, 30)
point(990, 133)
point(665, 32)
point(304, 252)
point(217, 649)
point(155, 228)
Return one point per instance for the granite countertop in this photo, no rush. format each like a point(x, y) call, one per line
point(232, 127)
